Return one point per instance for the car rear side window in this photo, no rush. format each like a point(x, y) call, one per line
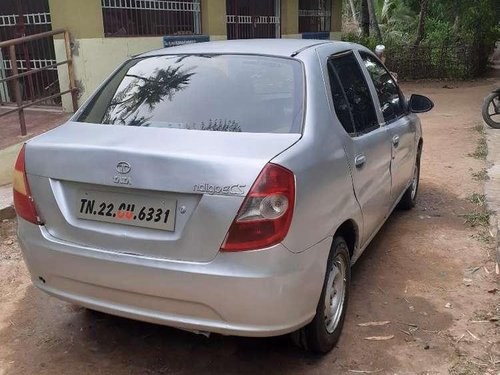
point(233, 93)
point(347, 73)
point(340, 103)
point(392, 103)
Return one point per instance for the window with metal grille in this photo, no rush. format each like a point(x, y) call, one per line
point(314, 15)
point(150, 17)
point(247, 19)
point(20, 18)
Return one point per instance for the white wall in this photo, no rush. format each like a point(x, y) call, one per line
point(94, 59)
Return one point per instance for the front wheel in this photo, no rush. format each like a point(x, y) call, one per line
point(491, 110)
point(323, 332)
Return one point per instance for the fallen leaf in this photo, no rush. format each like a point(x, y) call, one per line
point(379, 338)
point(365, 371)
point(448, 305)
point(497, 270)
point(493, 291)
point(374, 324)
point(467, 282)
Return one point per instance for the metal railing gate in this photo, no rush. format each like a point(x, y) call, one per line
point(17, 78)
point(247, 19)
point(18, 19)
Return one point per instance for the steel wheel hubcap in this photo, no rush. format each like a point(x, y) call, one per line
point(335, 293)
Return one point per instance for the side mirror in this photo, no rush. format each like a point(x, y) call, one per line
point(420, 104)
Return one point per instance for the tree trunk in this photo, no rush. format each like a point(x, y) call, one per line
point(421, 22)
point(373, 20)
point(365, 18)
point(353, 10)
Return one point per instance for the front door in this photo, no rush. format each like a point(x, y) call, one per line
point(369, 150)
point(248, 19)
point(400, 126)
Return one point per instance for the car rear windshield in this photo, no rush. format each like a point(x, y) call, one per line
point(234, 93)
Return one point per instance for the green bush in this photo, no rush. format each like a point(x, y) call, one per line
point(459, 37)
point(367, 41)
point(442, 58)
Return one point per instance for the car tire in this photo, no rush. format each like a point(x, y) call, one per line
point(409, 198)
point(323, 332)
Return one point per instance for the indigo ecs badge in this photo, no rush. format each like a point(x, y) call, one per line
point(220, 190)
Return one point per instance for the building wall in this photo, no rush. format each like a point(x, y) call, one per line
point(213, 19)
point(82, 18)
point(95, 56)
point(95, 59)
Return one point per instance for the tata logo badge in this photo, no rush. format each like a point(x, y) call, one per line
point(123, 168)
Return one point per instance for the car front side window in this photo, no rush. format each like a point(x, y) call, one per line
point(348, 73)
point(392, 103)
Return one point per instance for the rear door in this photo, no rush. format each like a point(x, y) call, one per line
point(368, 147)
point(401, 129)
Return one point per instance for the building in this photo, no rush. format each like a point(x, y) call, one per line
point(106, 32)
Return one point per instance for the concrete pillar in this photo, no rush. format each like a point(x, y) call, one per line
point(336, 20)
point(83, 19)
point(213, 19)
point(290, 19)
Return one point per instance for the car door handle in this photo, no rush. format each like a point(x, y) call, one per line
point(359, 160)
point(395, 141)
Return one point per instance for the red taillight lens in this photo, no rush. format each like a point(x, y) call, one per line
point(23, 202)
point(266, 213)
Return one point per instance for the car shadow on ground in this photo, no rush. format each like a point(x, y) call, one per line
point(47, 335)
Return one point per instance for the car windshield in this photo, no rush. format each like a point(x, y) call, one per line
point(234, 93)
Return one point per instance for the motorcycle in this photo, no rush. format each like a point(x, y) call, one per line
point(491, 109)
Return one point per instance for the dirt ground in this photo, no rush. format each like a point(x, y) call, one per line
point(37, 121)
point(428, 272)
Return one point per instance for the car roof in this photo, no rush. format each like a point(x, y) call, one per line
point(272, 47)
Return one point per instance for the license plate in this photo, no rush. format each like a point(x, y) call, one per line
point(126, 209)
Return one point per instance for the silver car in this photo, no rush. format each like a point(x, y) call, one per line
point(222, 187)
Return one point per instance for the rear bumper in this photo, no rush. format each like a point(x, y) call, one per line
point(257, 293)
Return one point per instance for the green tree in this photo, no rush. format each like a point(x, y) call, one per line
point(421, 22)
point(374, 26)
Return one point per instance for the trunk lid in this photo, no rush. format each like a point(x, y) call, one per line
point(201, 176)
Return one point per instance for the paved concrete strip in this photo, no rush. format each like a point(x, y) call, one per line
point(492, 186)
point(6, 207)
point(8, 158)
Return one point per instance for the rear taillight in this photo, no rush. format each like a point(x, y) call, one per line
point(23, 202)
point(266, 213)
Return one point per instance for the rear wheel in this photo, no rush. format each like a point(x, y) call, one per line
point(323, 332)
point(409, 198)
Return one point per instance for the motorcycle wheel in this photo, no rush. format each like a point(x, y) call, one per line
point(492, 101)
